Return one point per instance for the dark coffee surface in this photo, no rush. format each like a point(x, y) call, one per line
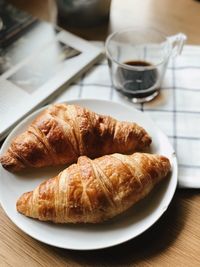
point(132, 81)
point(138, 63)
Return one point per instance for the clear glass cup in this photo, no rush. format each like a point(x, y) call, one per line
point(137, 59)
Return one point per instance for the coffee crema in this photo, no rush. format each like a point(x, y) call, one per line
point(139, 63)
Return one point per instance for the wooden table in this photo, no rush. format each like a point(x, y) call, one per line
point(175, 239)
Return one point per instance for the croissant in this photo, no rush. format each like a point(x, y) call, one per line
point(93, 191)
point(62, 133)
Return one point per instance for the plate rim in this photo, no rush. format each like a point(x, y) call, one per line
point(111, 244)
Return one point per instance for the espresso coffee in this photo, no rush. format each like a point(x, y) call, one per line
point(138, 82)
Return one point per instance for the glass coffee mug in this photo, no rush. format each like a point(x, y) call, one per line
point(138, 59)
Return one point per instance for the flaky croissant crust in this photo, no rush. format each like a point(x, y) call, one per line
point(93, 191)
point(62, 133)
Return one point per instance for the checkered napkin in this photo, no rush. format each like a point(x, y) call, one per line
point(176, 111)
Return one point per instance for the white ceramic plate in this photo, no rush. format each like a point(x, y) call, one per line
point(85, 237)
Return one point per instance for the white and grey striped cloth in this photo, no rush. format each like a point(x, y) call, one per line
point(176, 111)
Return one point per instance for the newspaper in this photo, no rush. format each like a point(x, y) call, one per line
point(37, 60)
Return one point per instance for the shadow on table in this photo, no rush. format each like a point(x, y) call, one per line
point(146, 246)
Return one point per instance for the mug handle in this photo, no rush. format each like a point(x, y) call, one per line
point(177, 42)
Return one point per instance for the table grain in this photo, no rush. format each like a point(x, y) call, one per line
point(175, 239)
